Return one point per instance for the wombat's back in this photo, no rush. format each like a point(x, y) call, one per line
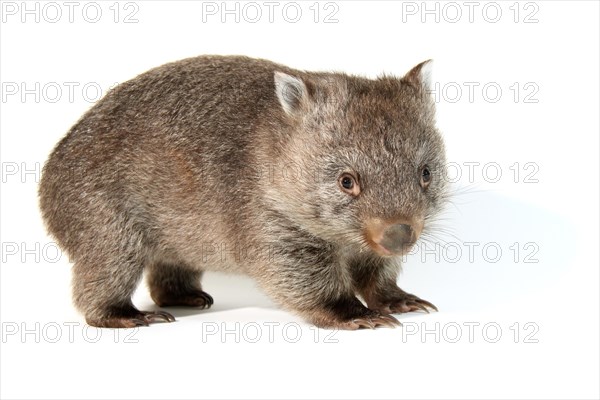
point(164, 149)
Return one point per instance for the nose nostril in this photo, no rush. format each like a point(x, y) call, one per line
point(397, 237)
point(405, 230)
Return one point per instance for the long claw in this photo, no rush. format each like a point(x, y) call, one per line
point(408, 302)
point(364, 323)
point(388, 321)
point(418, 306)
point(154, 316)
point(208, 299)
point(428, 304)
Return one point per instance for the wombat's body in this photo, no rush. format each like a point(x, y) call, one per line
point(311, 183)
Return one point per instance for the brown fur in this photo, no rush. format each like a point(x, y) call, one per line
point(232, 164)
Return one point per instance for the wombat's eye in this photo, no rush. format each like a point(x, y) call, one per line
point(349, 184)
point(425, 177)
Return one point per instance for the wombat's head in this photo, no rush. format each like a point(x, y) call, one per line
point(362, 159)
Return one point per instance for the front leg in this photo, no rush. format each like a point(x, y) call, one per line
point(308, 278)
point(375, 280)
point(396, 301)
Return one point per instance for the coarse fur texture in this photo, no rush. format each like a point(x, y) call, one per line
point(311, 183)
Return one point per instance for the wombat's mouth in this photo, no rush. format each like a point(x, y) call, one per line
point(383, 251)
point(391, 239)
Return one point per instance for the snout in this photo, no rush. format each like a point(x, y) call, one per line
point(393, 238)
point(397, 238)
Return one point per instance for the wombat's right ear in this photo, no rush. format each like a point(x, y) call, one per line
point(420, 76)
point(291, 92)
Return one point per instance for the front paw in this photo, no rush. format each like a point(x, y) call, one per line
point(349, 314)
point(403, 303)
point(370, 319)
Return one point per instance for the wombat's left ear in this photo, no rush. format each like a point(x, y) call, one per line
point(420, 76)
point(291, 92)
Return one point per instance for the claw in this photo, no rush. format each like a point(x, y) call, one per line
point(166, 316)
point(428, 304)
point(376, 321)
point(392, 320)
point(408, 302)
point(382, 323)
point(208, 298)
point(418, 306)
point(364, 323)
point(139, 322)
point(152, 316)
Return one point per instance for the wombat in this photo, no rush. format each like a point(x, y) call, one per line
point(312, 183)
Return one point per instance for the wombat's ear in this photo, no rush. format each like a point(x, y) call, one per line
point(420, 76)
point(291, 92)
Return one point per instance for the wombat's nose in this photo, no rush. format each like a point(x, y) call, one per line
point(398, 238)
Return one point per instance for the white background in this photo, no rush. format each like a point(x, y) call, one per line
point(546, 311)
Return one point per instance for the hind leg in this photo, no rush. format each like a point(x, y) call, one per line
point(103, 289)
point(175, 285)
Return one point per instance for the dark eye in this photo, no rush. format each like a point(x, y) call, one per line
point(425, 176)
point(349, 184)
